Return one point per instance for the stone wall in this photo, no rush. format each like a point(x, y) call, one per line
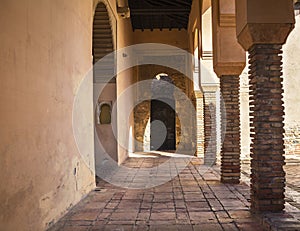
point(199, 105)
point(244, 116)
point(292, 140)
point(142, 110)
point(141, 119)
point(291, 96)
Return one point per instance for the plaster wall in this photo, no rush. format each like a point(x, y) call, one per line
point(174, 37)
point(45, 54)
point(122, 37)
point(125, 93)
point(255, 12)
point(105, 136)
point(206, 31)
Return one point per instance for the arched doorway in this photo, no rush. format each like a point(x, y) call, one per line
point(104, 85)
point(163, 115)
point(103, 42)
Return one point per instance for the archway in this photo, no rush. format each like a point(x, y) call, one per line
point(104, 86)
point(163, 115)
point(103, 42)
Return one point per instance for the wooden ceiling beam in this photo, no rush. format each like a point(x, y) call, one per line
point(146, 12)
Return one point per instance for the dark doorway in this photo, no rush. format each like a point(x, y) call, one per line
point(163, 115)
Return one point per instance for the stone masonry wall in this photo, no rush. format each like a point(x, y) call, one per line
point(142, 111)
point(292, 139)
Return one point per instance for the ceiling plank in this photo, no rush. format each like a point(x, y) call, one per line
point(159, 11)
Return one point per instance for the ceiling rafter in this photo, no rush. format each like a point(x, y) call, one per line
point(159, 11)
point(160, 14)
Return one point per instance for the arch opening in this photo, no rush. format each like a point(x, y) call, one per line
point(105, 93)
point(162, 114)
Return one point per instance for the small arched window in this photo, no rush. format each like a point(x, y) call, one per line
point(105, 114)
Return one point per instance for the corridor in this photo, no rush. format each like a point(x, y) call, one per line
point(194, 200)
point(80, 81)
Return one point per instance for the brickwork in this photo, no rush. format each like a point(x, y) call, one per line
point(266, 116)
point(200, 123)
point(230, 123)
point(210, 133)
point(193, 200)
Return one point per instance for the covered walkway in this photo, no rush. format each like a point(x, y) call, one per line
point(194, 200)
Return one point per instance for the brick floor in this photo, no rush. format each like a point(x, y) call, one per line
point(194, 200)
point(290, 218)
point(292, 169)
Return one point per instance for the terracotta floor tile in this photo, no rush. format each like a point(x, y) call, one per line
point(207, 227)
point(123, 216)
point(186, 203)
point(163, 216)
point(85, 215)
point(202, 217)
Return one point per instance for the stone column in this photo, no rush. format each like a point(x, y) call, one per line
point(210, 125)
point(229, 62)
point(200, 123)
point(262, 33)
point(230, 124)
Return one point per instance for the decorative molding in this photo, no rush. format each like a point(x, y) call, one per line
point(264, 33)
point(229, 68)
point(207, 55)
point(227, 20)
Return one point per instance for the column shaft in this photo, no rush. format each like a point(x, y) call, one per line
point(200, 124)
point(210, 139)
point(266, 123)
point(230, 123)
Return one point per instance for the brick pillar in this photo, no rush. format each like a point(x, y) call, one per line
point(261, 31)
point(230, 122)
point(200, 123)
point(266, 122)
point(210, 133)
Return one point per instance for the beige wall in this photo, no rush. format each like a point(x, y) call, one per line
point(174, 37)
point(45, 54)
point(105, 139)
point(124, 80)
point(122, 37)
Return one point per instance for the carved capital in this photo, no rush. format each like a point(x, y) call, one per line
point(230, 68)
point(264, 33)
point(229, 58)
point(263, 22)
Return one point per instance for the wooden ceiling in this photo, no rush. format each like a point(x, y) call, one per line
point(159, 14)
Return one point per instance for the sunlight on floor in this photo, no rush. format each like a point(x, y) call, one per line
point(157, 154)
